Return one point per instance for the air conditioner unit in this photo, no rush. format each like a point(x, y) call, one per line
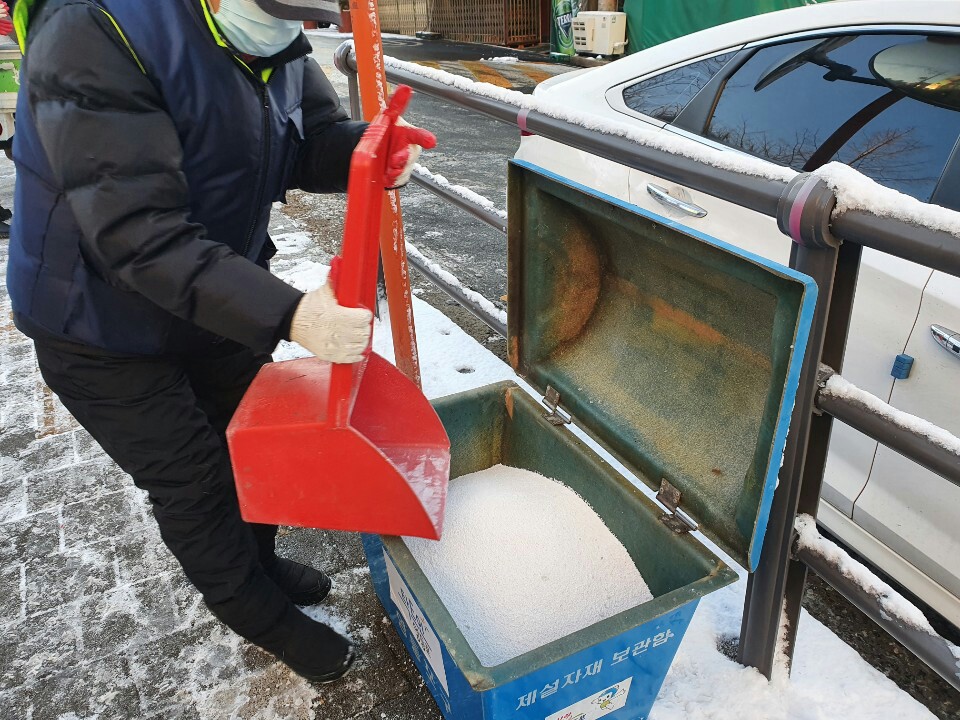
point(600, 33)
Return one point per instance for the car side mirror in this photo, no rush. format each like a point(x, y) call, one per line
point(927, 70)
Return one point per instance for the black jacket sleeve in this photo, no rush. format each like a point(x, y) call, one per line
point(117, 159)
point(329, 136)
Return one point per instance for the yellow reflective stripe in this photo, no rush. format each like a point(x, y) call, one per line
point(125, 41)
point(265, 75)
point(242, 63)
point(213, 26)
point(21, 18)
point(215, 31)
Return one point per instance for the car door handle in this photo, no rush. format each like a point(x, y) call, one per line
point(948, 339)
point(663, 196)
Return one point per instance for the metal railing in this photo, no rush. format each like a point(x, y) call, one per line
point(906, 440)
point(827, 247)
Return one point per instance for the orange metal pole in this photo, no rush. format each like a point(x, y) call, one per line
point(373, 93)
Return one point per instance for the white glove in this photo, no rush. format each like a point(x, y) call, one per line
point(329, 330)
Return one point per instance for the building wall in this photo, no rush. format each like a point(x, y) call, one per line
point(498, 22)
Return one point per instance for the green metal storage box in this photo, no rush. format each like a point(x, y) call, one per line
point(679, 355)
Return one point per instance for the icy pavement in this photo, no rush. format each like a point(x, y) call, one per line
point(96, 619)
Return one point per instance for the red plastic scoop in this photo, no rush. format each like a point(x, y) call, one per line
point(344, 447)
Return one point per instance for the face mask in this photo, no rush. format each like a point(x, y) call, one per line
point(252, 31)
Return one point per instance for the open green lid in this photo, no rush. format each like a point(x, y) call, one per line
point(678, 353)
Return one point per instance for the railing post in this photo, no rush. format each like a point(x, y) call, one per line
point(341, 57)
point(821, 426)
point(803, 214)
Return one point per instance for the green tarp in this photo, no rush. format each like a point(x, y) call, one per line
point(651, 22)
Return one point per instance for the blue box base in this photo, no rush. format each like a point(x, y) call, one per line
point(618, 678)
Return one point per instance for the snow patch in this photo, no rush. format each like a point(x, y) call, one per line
point(855, 191)
point(444, 347)
point(829, 679)
point(892, 602)
point(292, 243)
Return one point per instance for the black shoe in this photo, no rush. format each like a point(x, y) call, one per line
point(265, 617)
point(5, 214)
point(315, 651)
point(301, 583)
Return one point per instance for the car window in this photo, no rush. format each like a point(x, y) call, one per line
point(805, 103)
point(665, 95)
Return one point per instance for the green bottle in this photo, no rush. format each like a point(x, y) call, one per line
point(563, 14)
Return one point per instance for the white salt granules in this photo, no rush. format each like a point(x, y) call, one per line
point(525, 561)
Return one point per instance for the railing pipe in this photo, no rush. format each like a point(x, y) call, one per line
point(754, 193)
point(457, 293)
point(937, 249)
point(346, 63)
point(911, 444)
point(486, 215)
point(761, 627)
point(932, 650)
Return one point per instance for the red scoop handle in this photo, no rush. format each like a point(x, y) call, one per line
point(353, 275)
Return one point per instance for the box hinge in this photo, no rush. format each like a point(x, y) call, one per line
point(677, 520)
point(551, 401)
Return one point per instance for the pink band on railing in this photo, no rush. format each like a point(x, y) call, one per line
point(522, 121)
point(796, 210)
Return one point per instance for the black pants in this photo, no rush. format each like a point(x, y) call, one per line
point(163, 419)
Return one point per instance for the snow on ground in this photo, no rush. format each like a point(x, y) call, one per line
point(450, 360)
point(829, 679)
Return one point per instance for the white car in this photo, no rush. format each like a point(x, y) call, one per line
point(798, 88)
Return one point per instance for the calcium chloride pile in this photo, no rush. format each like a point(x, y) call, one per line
point(524, 561)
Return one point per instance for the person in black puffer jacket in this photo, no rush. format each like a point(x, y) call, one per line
point(152, 140)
